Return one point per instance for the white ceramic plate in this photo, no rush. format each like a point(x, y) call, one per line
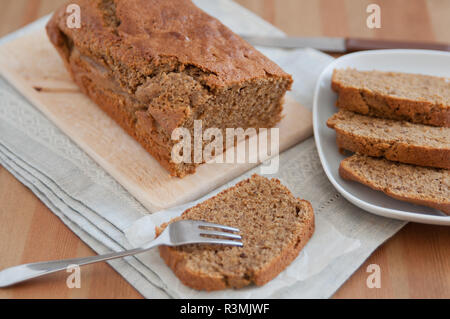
point(411, 61)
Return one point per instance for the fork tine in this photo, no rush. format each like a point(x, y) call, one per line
point(206, 224)
point(221, 241)
point(222, 234)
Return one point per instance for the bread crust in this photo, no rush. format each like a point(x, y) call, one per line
point(366, 102)
point(200, 281)
point(346, 173)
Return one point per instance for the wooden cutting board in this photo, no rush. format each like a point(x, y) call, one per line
point(32, 65)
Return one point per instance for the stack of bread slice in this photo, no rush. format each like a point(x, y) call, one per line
point(398, 126)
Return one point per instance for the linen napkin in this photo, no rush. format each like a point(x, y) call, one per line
point(99, 210)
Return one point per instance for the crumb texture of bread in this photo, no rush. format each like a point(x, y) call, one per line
point(419, 185)
point(274, 226)
point(400, 141)
point(400, 96)
point(155, 65)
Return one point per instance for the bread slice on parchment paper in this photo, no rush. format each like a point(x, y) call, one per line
point(274, 226)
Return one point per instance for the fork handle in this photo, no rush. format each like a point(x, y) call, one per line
point(17, 274)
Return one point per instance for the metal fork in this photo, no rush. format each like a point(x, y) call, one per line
point(175, 234)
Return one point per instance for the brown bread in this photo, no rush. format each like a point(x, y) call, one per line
point(400, 96)
point(394, 140)
point(154, 65)
point(419, 185)
point(274, 226)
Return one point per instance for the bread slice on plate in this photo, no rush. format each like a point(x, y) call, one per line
point(400, 96)
point(274, 226)
point(419, 185)
point(394, 140)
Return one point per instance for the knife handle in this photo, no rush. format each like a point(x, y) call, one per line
point(356, 44)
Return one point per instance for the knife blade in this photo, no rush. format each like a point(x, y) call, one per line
point(340, 45)
point(319, 43)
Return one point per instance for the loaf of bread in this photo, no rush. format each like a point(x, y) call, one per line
point(155, 65)
point(274, 226)
point(394, 140)
point(419, 185)
point(400, 96)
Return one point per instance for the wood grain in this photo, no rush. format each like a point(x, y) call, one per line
point(415, 263)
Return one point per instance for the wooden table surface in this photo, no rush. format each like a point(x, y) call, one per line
point(415, 263)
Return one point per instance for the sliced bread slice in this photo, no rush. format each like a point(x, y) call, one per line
point(395, 140)
point(274, 226)
point(419, 185)
point(400, 96)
